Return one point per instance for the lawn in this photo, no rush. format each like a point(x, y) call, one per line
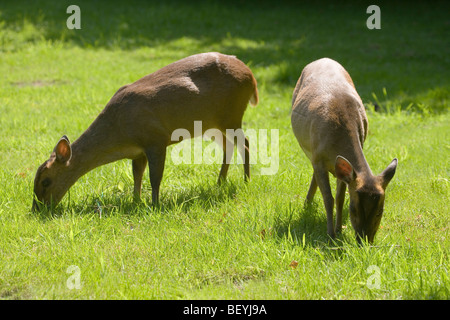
point(239, 240)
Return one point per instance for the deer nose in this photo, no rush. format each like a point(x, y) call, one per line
point(34, 206)
point(37, 205)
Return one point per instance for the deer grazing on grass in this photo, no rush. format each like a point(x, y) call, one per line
point(138, 121)
point(330, 124)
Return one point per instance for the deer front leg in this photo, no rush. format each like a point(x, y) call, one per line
point(340, 197)
point(323, 182)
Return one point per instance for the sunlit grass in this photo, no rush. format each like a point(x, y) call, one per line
point(239, 240)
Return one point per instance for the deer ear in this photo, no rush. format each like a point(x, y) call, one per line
point(388, 173)
point(344, 170)
point(63, 151)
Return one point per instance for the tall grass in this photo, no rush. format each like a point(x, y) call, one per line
point(236, 241)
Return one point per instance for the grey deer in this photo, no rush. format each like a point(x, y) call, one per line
point(330, 124)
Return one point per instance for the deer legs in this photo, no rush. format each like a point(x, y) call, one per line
point(323, 182)
point(321, 179)
point(312, 190)
point(340, 197)
point(155, 157)
point(228, 148)
point(138, 165)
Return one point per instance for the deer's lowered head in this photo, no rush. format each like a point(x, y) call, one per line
point(366, 197)
point(50, 182)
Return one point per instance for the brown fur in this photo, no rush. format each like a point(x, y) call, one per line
point(138, 121)
point(330, 124)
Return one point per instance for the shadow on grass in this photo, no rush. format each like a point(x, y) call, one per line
point(203, 196)
point(406, 56)
point(307, 226)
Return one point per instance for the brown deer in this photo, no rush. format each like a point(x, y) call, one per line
point(330, 124)
point(138, 121)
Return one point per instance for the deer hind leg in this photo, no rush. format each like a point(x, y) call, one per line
point(156, 159)
point(247, 160)
point(138, 165)
point(312, 190)
point(228, 148)
point(243, 146)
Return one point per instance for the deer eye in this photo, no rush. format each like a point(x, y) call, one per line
point(46, 182)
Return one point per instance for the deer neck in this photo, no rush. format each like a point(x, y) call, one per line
point(355, 155)
point(93, 149)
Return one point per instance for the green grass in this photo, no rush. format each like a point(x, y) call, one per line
point(237, 241)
